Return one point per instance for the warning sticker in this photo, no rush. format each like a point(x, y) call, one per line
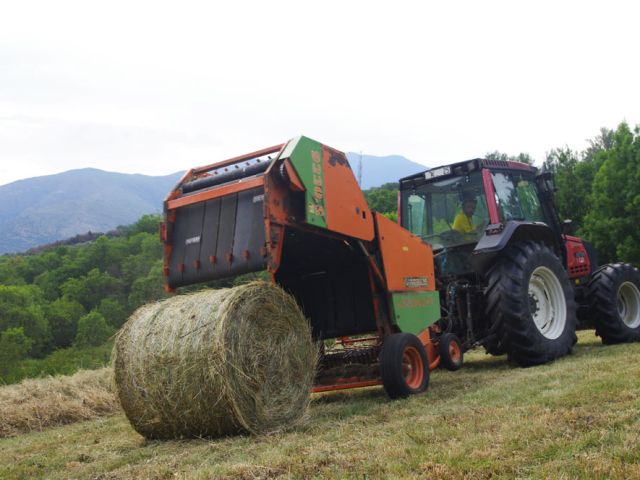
point(415, 282)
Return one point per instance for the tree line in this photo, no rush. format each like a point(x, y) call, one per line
point(77, 295)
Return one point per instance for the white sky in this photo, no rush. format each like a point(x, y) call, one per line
point(154, 88)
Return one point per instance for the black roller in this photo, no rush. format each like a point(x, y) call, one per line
point(227, 174)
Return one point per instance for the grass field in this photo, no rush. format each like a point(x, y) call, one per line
point(576, 418)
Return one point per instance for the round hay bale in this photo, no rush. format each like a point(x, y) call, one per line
point(215, 363)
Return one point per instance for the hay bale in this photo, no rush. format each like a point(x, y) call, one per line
point(215, 363)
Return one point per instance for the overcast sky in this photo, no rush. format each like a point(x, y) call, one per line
point(154, 88)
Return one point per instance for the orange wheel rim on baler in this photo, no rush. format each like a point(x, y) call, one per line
point(412, 367)
point(454, 351)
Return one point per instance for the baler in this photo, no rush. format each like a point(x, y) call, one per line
point(295, 210)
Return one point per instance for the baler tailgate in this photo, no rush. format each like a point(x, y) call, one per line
point(218, 238)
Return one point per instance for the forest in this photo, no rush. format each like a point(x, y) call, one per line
point(73, 298)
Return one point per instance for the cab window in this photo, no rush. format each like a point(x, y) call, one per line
point(436, 211)
point(517, 197)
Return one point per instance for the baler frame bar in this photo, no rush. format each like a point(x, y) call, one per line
point(231, 161)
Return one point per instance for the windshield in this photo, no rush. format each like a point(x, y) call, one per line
point(448, 212)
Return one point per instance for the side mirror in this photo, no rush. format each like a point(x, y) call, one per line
point(567, 227)
point(546, 182)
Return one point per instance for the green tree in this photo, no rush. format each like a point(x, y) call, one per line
point(22, 307)
point(383, 199)
point(14, 346)
point(113, 312)
point(612, 223)
point(574, 179)
point(148, 288)
point(521, 157)
point(12, 269)
point(63, 315)
point(93, 330)
point(90, 289)
point(146, 224)
point(145, 250)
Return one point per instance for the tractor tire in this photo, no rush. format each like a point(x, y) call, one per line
point(614, 298)
point(451, 354)
point(404, 365)
point(530, 297)
point(493, 346)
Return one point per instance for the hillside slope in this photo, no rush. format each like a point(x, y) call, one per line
point(44, 209)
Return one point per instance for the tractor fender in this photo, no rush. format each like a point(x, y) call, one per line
point(497, 237)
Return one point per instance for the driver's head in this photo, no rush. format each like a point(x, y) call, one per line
point(469, 205)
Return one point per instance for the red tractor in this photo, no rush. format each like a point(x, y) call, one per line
point(510, 276)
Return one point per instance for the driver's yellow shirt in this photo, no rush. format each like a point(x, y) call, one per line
point(463, 224)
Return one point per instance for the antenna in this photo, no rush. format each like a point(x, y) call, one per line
point(360, 170)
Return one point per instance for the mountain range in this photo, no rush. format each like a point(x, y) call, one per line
point(379, 170)
point(46, 209)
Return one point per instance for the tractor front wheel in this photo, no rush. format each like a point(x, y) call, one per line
point(614, 294)
point(531, 299)
point(404, 365)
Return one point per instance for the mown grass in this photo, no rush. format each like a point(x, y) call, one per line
point(36, 404)
point(65, 361)
point(576, 418)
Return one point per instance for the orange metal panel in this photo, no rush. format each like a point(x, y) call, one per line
point(429, 346)
point(407, 260)
point(296, 183)
point(216, 192)
point(347, 211)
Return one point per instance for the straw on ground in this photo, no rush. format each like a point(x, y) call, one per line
point(36, 404)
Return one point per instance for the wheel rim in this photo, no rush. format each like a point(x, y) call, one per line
point(547, 303)
point(454, 351)
point(412, 367)
point(628, 303)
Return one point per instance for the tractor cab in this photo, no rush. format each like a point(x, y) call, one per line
point(469, 210)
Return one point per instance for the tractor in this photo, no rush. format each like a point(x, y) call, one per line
point(510, 276)
point(478, 257)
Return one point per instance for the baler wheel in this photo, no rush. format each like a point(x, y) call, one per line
point(614, 293)
point(404, 366)
point(451, 355)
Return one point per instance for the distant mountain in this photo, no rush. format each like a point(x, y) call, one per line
point(42, 210)
point(379, 170)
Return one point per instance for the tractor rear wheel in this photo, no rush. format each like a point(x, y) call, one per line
point(531, 299)
point(404, 365)
point(614, 295)
point(451, 355)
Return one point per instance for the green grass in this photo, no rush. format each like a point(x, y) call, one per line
point(65, 361)
point(578, 417)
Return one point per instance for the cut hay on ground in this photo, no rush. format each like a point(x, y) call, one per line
point(35, 404)
point(215, 363)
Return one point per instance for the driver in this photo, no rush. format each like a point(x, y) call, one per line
point(463, 220)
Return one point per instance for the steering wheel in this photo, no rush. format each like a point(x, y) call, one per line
point(451, 236)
